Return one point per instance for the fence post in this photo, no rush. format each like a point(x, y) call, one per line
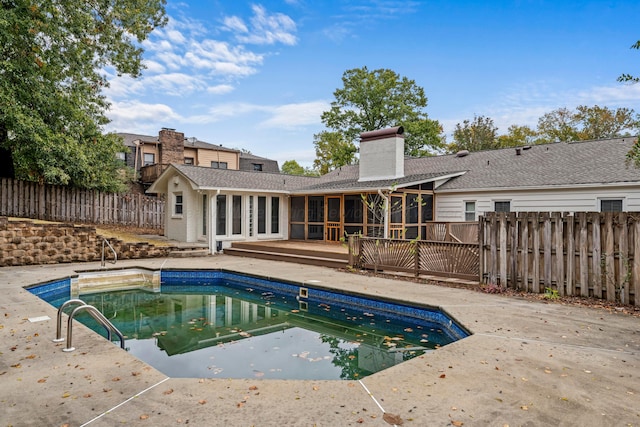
point(571, 254)
point(481, 243)
point(503, 250)
point(524, 238)
point(546, 243)
point(609, 258)
point(596, 255)
point(584, 255)
point(557, 217)
point(624, 266)
point(535, 279)
point(635, 277)
point(493, 232)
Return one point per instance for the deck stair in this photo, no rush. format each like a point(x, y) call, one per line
point(327, 255)
point(186, 250)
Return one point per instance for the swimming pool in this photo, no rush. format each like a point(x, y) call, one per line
point(216, 323)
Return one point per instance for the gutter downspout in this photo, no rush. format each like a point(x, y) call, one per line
point(385, 223)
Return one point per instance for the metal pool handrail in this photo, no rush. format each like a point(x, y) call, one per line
point(115, 255)
point(93, 312)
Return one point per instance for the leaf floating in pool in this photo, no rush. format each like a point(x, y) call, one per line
point(295, 311)
point(258, 374)
point(424, 340)
point(367, 314)
point(408, 330)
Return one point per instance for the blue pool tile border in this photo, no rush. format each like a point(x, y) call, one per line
point(58, 288)
point(191, 280)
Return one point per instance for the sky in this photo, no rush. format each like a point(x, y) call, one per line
point(258, 75)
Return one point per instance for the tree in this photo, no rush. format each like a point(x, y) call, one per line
point(628, 77)
point(52, 53)
point(291, 167)
point(476, 135)
point(517, 136)
point(558, 125)
point(372, 100)
point(586, 123)
point(601, 122)
point(332, 151)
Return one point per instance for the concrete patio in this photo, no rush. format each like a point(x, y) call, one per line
point(527, 364)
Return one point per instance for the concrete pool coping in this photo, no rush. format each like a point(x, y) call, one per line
point(527, 363)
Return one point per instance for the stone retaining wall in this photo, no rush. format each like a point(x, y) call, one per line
point(28, 243)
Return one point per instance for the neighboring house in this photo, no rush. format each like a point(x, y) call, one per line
point(250, 162)
point(150, 155)
point(221, 206)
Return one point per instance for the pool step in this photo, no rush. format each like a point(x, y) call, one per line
point(189, 252)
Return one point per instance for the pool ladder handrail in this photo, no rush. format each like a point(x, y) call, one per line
point(115, 254)
point(93, 312)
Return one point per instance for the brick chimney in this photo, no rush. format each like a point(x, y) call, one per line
point(382, 154)
point(171, 146)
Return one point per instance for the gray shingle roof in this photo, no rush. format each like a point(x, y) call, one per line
point(130, 137)
point(558, 164)
point(209, 178)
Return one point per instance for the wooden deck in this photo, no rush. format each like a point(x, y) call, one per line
point(329, 254)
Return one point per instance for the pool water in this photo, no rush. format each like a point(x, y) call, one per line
point(238, 329)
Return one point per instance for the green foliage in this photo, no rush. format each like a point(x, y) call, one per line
point(518, 136)
point(587, 123)
point(550, 293)
point(51, 57)
point(558, 125)
point(601, 122)
point(628, 78)
point(476, 135)
point(372, 100)
point(332, 151)
point(291, 167)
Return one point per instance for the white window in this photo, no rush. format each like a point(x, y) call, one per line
point(121, 156)
point(610, 205)
point(177, 204)
point(219, 165)
point(188, 160)
point(469, 211)
point(502, 206)
point(149, 159)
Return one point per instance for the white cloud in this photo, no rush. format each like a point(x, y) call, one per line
point(264, 28)
point(524, 105)
point(220, 89)
point(174, 84)
point(291, 116)
point(139, 117)
point(153, 67)
point(233, 23)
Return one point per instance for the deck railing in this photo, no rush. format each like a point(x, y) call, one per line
point(429, 257)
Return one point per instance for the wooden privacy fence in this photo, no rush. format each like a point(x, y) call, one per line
point(448, 259)
point(582, 254)
point(57, 203)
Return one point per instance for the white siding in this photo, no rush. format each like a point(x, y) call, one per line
point(450, 206)
point(181, 227)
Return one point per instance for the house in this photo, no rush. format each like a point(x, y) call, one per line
point(150, 155)
point(387, 194)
